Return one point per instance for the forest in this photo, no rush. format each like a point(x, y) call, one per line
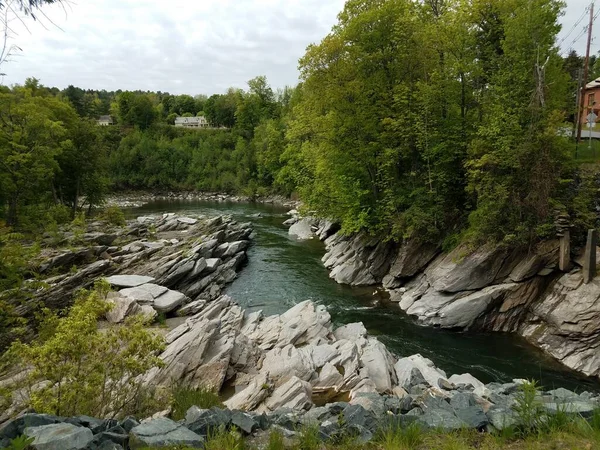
point(439, 120)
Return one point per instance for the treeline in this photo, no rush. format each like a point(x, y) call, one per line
point(440, 119)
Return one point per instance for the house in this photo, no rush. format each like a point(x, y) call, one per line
point(591, 100)
point(192, 122)
point(104, 121)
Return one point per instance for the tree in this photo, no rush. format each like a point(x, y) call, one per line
point(32, 135)
point(84, 370)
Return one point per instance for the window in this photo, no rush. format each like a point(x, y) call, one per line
point(591, 99)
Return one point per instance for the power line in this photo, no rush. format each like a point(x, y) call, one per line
point(583, 16)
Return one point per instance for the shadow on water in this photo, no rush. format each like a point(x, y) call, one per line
point(283, 271)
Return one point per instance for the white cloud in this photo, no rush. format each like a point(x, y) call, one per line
point(182, 46)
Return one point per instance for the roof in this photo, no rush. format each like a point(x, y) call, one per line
point(593, 84)
point(105, 118)
point(199, 119)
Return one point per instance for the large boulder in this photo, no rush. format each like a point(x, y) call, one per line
point(59, 436)
point(163, 432)
point(303, 228)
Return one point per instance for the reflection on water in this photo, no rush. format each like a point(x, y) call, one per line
point(283, 271)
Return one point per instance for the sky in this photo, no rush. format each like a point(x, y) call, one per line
point(186, 46)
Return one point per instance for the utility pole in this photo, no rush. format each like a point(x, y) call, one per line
point(585, 73)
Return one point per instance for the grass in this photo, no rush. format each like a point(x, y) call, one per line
point(184, 398)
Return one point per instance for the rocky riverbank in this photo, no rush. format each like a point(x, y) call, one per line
point(137, 199)
point(165, 264)
point(486, 289)
point(294, 370)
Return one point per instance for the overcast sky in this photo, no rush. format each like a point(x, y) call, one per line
point(185, 46)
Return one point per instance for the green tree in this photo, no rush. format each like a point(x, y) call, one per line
point(85, 370)
point(32, 135)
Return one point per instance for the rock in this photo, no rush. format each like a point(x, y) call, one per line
point(380, 365)
point(502, 418)
point(351, 332)
point(187, 220)
point(405, 371)
point(148, 313)
point(250, 397)
point(473, 416)
point(59, 436)
point(466, 379)
point(169, 301)
point(212, 264)
point(161, 433)
point(584, 409)
point(412, 257)
point(121, 308)
point(290, 222)
point(145, 293)
point(15, 427)
point(235, 247)
point(129, 280)
point(302, 229)
point(178, 272)
point(295, 394)
point(206, 421)
point(129, 423)
point(191, 308)
point(243, 422)
point(441, 419)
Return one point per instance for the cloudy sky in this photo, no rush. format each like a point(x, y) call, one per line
point(184, 46)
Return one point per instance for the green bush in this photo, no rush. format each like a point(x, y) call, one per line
point(113, 215)
point(395, 436)
point(85, 370)
point(183, 398)
point(223, 439)
point(529, 409)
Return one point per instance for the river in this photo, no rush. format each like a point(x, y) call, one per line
point(283, 271)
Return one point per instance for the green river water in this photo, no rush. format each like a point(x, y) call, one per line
point(283, 271)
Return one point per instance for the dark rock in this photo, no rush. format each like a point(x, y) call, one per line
point(462, 400)
point(473, 416)
point(204, 421)
point(441, 419)
point(361, 434)
point(129, 423)
point(243, 422)
point(328, 430)
point(357, 415)
point(15, 427)
point(96, 425)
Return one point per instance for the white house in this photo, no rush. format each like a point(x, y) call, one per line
point(104, 121)
point(191, 122)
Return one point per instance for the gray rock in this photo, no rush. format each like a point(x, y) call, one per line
point(169, 301)
point(127, 281)
point(15, 427)
point(59, 436)
point(212, 264)
point(302, 229)
point(121, 307)
point(501, 418)
point(129, 423)
point(584, 409)
point(244, 422)
point(187, 220)
point(441, 419)
point(163, 432)
point(473, 417)
point(206, 421)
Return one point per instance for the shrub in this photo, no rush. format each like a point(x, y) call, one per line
point(276, 441)
point(222, 439)
point(395, 436)
point(113, 215)
point(78, 226)
point(184, 398)
point(78, 369)
point(308, 438)
point(529, 409)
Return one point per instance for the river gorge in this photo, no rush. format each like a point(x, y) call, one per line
point(283, 271)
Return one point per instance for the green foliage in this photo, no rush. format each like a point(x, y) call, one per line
point(276, 441)
point(395, 436)
point(183, 398)
point(78, 227)
point(87, 370)
point(114, 216)
point(19, 443)
point(529, 409)
point(223, 439)
point(308, 438)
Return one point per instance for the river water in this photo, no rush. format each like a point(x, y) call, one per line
point(283, 271)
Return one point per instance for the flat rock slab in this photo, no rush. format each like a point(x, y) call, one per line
point(187, 220)
point(169, 301)
point(128, 281)
point(145, 293)
point(163, 432)
point(59, 436)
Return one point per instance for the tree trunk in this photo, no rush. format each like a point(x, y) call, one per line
point(13, 202)
point(76, 198)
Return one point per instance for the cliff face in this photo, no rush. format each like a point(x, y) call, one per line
point(489, 289)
